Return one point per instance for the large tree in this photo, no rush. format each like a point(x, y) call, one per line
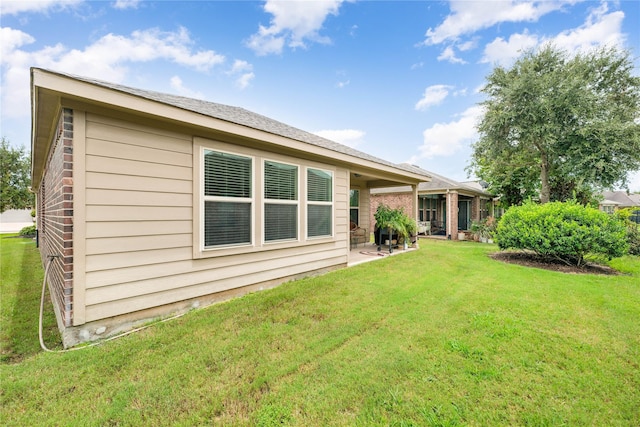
point(15, 168)
point(559, 125)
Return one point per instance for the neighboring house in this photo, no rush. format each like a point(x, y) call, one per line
point(445, 206)
point(153, 203)
point(614, 200)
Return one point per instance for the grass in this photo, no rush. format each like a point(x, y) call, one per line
point(443, 336)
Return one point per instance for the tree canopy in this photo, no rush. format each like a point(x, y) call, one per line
point(15, 167)
point(559, 126)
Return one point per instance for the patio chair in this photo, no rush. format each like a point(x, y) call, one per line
point(357, 234)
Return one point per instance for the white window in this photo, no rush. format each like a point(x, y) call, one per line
point(280, 201)
point(319, 203)
point(228, 199)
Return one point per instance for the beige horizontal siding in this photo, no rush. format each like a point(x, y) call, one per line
point(137, 198)
point(138, 213)
point(139, 226)
point(137, 243)
point(137, 272)
point(97, 180)
point(109, 129)
point(136, 168)
point(115, 262)
point(116, 307)
point(198, 276)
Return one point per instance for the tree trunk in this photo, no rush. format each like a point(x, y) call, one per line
point(545, 191)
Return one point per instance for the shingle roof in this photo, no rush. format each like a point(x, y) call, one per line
point(240, 116)
point(438, 182)
point(622, 198)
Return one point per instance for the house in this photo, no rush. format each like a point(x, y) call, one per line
point(445, 206)
point(149, 204)
point(614, 200)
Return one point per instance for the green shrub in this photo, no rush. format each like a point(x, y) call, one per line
point(28, 231)
point(633, 238)
point(562, 231)
point(633, 229)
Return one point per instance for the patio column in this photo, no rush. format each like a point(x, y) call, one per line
point(475, 208)
point(452, 215)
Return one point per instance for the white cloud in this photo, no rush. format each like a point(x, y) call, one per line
point(244, 72)
point(106, 59)
point(445, 139)
point(449, 55)
point(470, 16)
point(504, 52)
point(433, 95)
point(126, 4)
point(600, 29)
point(245, 80)
point(634, 182)
point(348, 137)
point(343, 84)
point(176, 83)
point(292, 23)
point(14, 7)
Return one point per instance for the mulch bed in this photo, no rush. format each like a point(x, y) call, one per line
point(530, 259)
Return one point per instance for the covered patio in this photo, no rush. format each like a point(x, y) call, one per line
point(368, 252)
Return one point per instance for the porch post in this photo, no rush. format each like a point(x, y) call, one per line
point(414, 215)
point(452, 215)
point(475, 208)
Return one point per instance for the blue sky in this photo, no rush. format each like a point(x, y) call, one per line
point(397, 79)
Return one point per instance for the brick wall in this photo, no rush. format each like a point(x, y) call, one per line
point(394, 201)
point(55, 225)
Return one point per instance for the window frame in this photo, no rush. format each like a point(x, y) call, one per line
point(266, 201)
point(320, 203)
point(204, 198)
point(200, 144)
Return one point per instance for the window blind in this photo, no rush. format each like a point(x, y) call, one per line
point(280, 181)
point(227, 175)
point(318, 220)
point(280, 222)
point(226, 223)
point(319, 186)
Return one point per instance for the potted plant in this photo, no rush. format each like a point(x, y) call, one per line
point(385, 220)
point(407, 228)
point(394, 220)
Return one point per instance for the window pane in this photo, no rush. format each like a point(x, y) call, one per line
point(354, 198)
point(280, 181)
point(319, 186)
point(318, 220)
point(353, 215)
point(280, 222)
point(226, 175)
point(226, 223)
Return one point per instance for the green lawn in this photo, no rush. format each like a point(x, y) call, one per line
point(442, 336)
